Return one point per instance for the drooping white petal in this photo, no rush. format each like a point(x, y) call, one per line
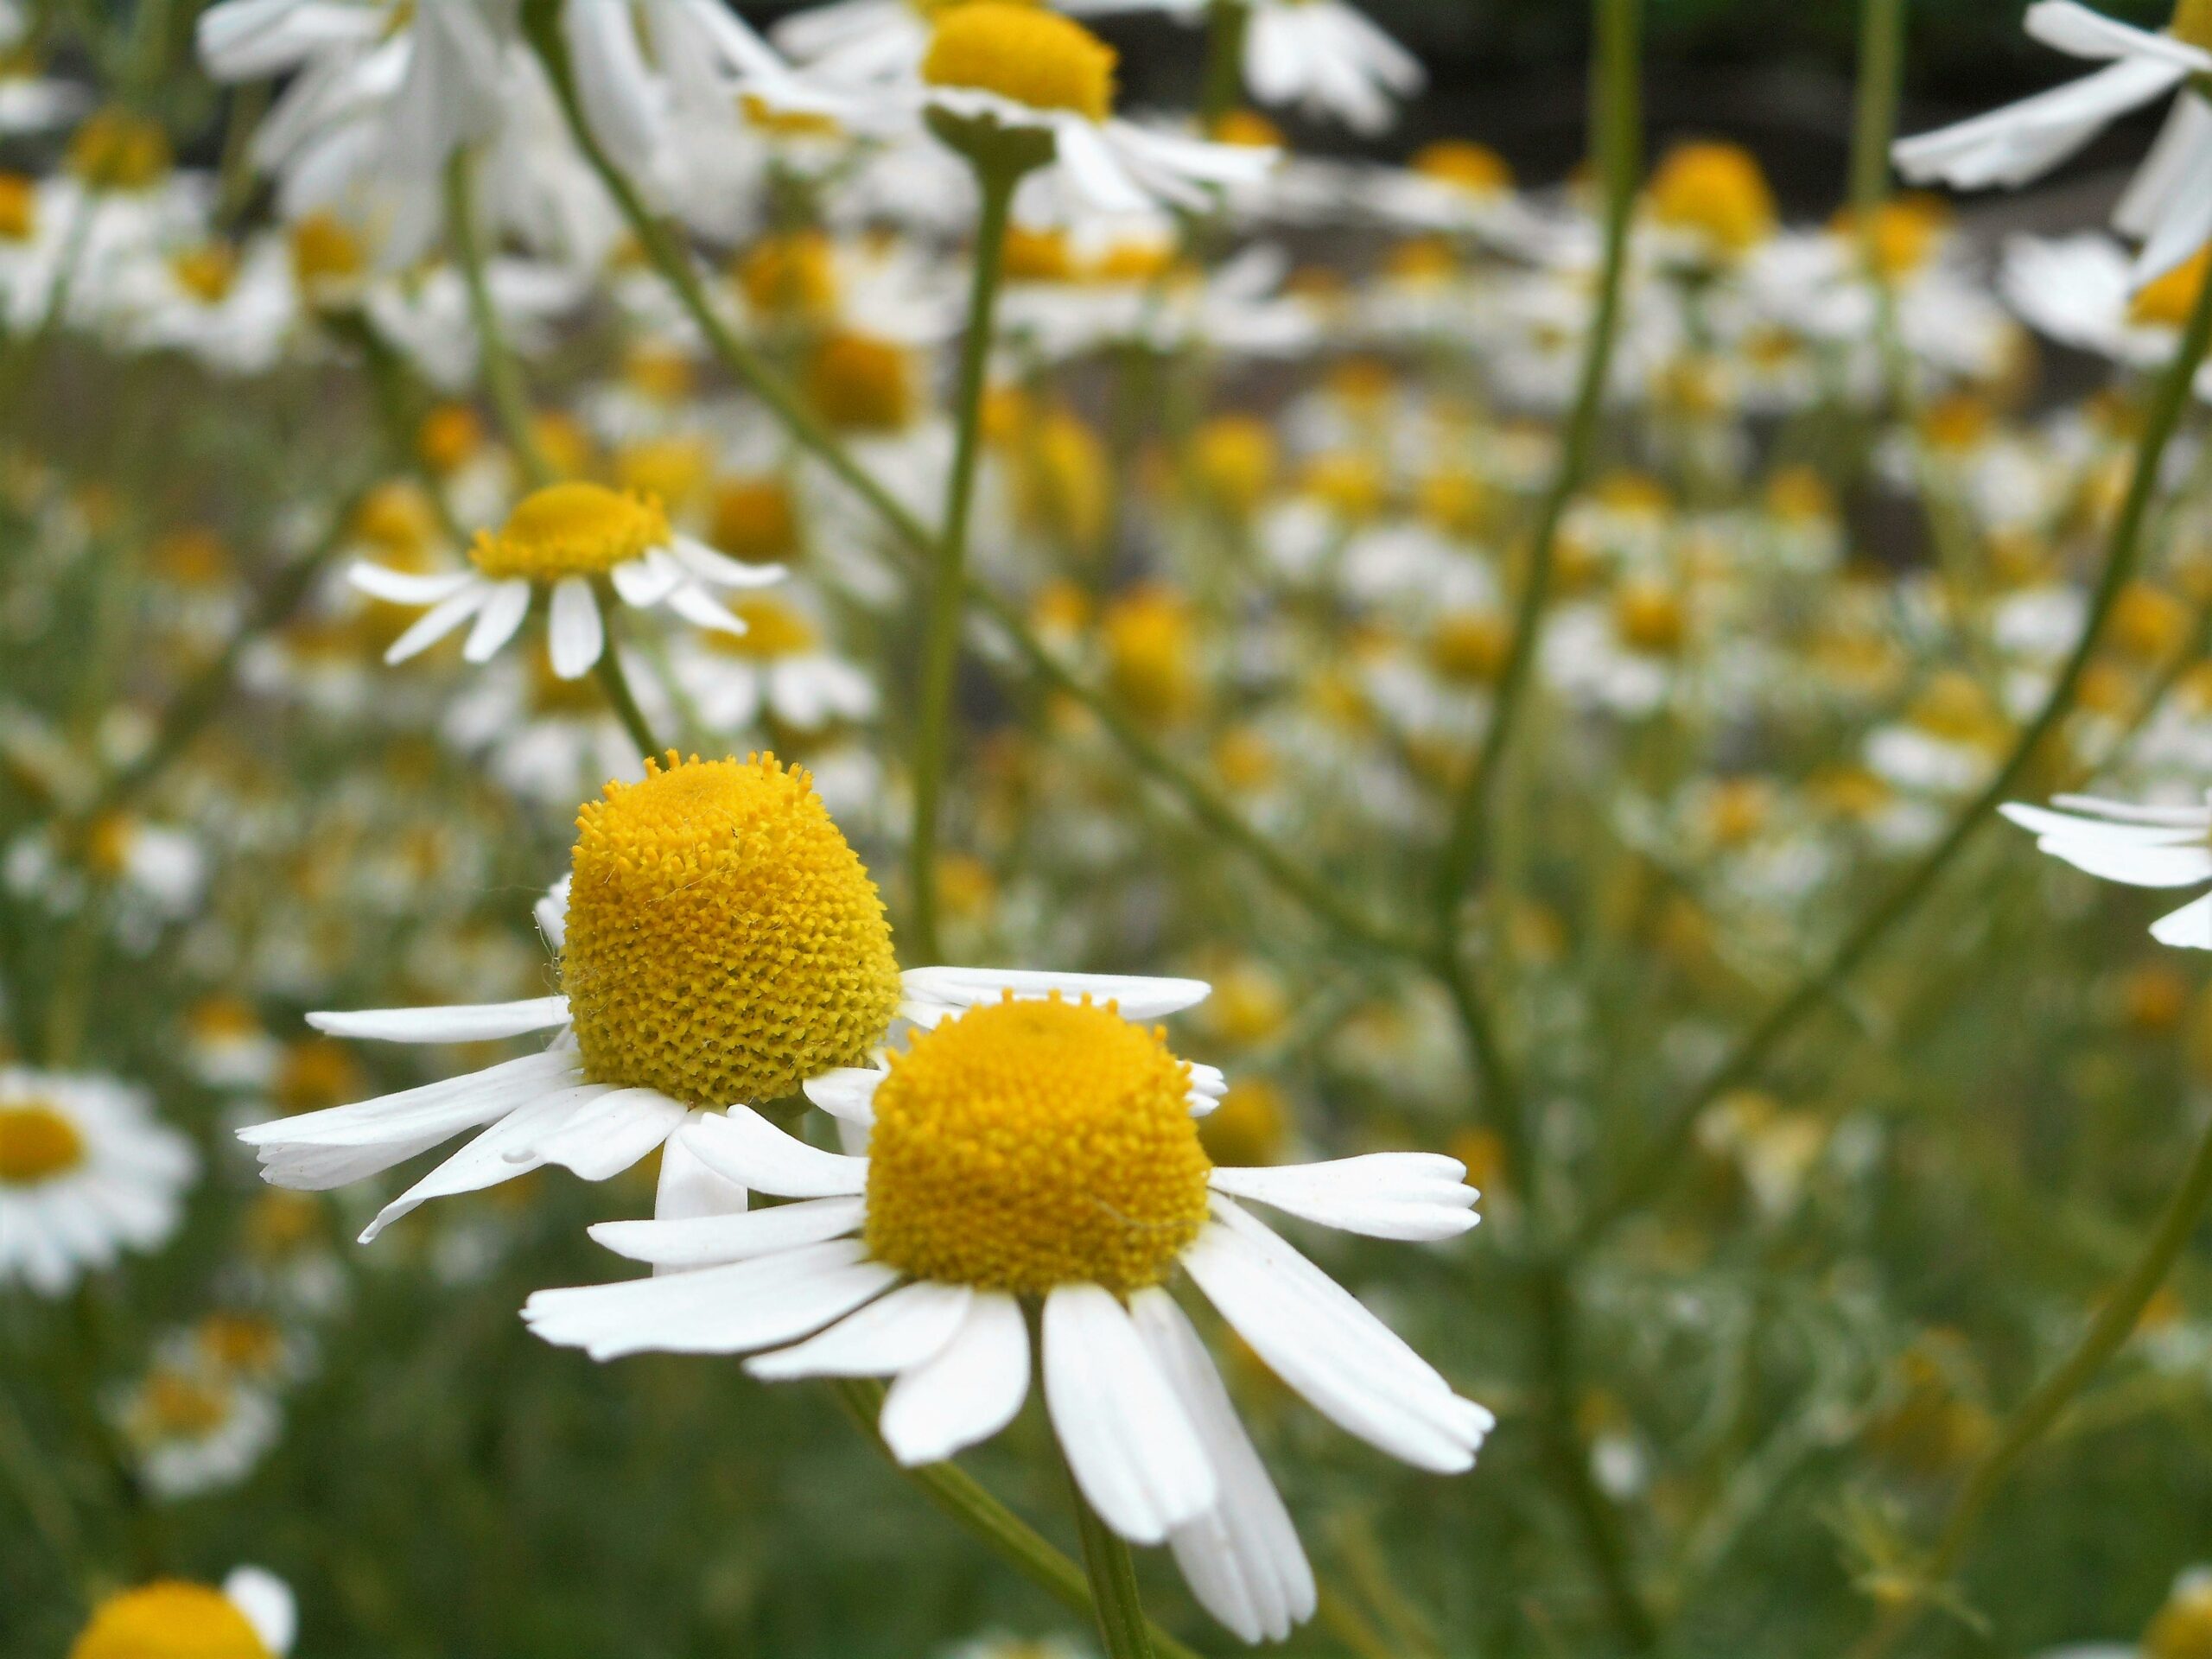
point(2082, 33)
point(702, 610)
point(746, 1147)
point(726, 1309)
point(643, 584)
point(501, 1153)
point(1242, 1558)
point(2132, 864)
point(439, 620)
point(2043, 822)
point(968, 1392)
point(496, 623)
point(1208, 1085)
point(459, 1023)
point(688, 1190)
point(2189, 928)
point(2184, 225)
point(909, 1327)
point(713, 1241)
point(405, 587)
point(2131, 812)
point(1403, 1195)
point(1316, 1336)
point(267, 1603)
point(576, 634)
point(2179, 148)
point(848, 1093)
point(612, 1133)
point(1140, 996)
point(709, 564)
point(1129, 1444)
point(2015, 143)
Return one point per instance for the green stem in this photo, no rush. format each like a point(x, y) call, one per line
point(1119, 1610)
point(2116, 1320)
point(1617, 140)
point(1227, 24)
point(41, 1494)
point(1649, 1169)
point(615, 683)
point(941, 639)
point(962, 1497)
point(1881, 62)
point(503, 385)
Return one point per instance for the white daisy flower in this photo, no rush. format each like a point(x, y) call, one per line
point(2169, 204)
point(1016, 68)
point(569, 538)
point(87, 1171)
point(778, 667)
point(191, 1429)
point(1040, 1158)
point(2136, 846)
point(251, 1616)
point(2077, 290)
point(719, 944)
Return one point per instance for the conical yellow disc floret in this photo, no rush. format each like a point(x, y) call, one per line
point(1027, 1145)
point(36, 1144)
point(169, 1619)
point(724, 943)
point(1022, 52)
point(573, 529)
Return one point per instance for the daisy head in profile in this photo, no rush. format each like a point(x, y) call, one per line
point(251, 1616)
point(1004, 79)
point(719, 944)
point(86, 1172)
point(581, 544)
point(1032, 1192)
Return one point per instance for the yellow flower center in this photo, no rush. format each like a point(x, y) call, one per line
point(2183, 1628)
point(1062, 483)
point(1799, 495)
point(1027, 1145)
point(1648, 618)
point(1149, 650)
point(206, 272)
point(863, 384)
point(1718, 190)
point(754, 520)
point(169, 1619)
point(570, 530)
point(117, 150)
point(1902, 234)
point(1349, 484)
point(1952, 707)
point(36, 1144)
point(175, 1407)
point(793, 276)
point(1234, 459)
point(2148, 623)
point(190, 558)
point(2192, 23)
point(1476, 168)
point(2167, 302)
point(773, 628)
point(1471, 647)
point(397, 519)
point(672, 470)
point(18, 207)
point(241, 1342)
point(325, 253)
point(1246, 129)
point(1957, 422)
point(1030, 56)
point(724, 943)
point(1038, 255)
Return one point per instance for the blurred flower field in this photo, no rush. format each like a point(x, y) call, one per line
point(797, 810)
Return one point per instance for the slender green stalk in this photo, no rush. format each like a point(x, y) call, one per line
point(1617, 141)
point(1874, 121)
point(503, 386)
point(1115, 1601)
point(941, 637)
point(615, 683)
point(1228, 22)
point(1650, 1167)
point(960, 1496)
point(41, 1494)
point(2115, 1322)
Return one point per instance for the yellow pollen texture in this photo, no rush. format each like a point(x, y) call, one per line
point(1027, 1145)
point(571, 529)
point(168, 1619)
point(724, 943)
point(36, 1144)
point(1021, 53)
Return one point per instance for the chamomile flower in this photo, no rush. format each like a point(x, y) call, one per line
point(1041, 1157)
point(86, 1172)
point(997, 66)
point(251, 1616)
point(2136, 846)
point(2169, 204)
point(192, 1428)
point(720, 945)
point(569, 538)
point(779, 668)
point(2077, 290)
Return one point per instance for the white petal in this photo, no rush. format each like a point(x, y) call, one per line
point(1403, 1195)
point(909, 1327)
point(702, 610)
point(1128, 1444)
point(1241, 1559)
point(713, 1241)
point(709, 565)
point(2189, 928)
point(642, 583)
point(502, 1152)
point(438, 621)
point(496, 623)
point(406, 588)
point(460, 1022)
point(1208, 1086)
point(2076, 30)
point(968, 1392)
point(1139, 996)
point(746, 1147)
point(2177, 150)
point(1317, 1337)
point(2135, 866)
point(2197, 818)
point(612, 1133)
point(2043, 822)
point(2013, 145)
point(728, 1310)
point(2184, 222)
point(848, 1093)
point(575, 635)
point(267, 1603)
point(687, 1189)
